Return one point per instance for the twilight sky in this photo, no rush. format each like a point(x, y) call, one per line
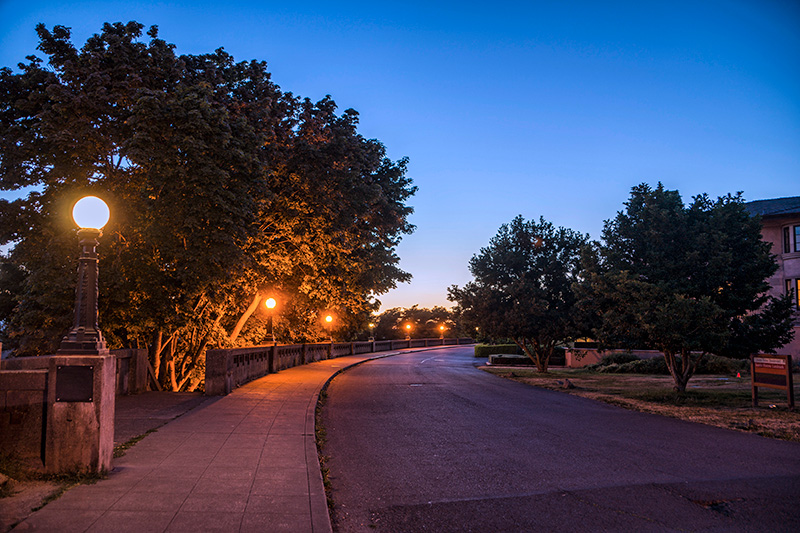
point(504, 108)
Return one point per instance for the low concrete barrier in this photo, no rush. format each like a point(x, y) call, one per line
point(41, 429)
point(60, 411)
point(227, 369)
point(23, 415)
point(131, 368)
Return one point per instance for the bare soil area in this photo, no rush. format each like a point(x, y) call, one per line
point(716, 400)
point(22, 497)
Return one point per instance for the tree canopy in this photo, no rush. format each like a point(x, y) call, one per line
point(685, 280)
point(425, 323)
point(223, 190)
point(522, 287)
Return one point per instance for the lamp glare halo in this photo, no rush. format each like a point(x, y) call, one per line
point(90, 212)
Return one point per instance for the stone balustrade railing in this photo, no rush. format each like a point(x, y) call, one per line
point(227, 369)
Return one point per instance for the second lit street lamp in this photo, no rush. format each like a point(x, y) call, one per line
point(329, 321)
point(270, 304)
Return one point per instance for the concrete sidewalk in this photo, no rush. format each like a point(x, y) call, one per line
point(243, 462)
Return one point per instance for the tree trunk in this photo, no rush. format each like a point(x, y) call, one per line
point(193, 384)
point(243, 319)
point(156, 354)
point(543, 354)
point(168, 364)
point(539, 357)
point(680, 375)
point(194, 356)
point(172, 378)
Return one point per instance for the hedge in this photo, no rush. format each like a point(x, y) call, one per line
point(622, 363)
point(485, 350)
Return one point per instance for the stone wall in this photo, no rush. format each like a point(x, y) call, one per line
point(230, 368)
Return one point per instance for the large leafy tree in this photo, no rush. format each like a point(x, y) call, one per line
point(523, 287)
point(685, 280)
point(426, 323)
point(222, 187)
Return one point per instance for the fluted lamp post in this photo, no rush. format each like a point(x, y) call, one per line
point(329, 321)
point(90, 214)
point(270, 304)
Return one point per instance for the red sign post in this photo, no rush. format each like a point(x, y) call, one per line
point(773, 372)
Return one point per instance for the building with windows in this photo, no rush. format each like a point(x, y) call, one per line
point(780, 225)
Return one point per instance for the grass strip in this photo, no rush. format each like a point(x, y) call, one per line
point(120, 449)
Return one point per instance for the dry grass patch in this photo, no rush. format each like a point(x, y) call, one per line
point(716, 400)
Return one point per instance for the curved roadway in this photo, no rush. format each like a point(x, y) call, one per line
point(427, 442)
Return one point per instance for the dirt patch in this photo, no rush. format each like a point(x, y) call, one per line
point(24, 497)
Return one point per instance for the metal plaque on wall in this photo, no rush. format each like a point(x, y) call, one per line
point(74, 383)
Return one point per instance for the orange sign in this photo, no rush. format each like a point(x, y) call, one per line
point(773, 372)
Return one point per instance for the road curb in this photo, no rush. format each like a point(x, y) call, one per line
point(320, 514)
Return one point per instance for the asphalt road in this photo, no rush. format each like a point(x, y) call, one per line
point(427, 442)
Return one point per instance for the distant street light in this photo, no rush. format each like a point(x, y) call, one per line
point(408, 331)
point(441, 328)
point(329, 321)
point(90, 214)
point(271, 303)
point(372, 332)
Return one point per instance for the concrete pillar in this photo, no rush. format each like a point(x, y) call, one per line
point(80, 413)
point(273, 352)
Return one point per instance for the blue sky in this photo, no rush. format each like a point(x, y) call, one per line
point(504, 108)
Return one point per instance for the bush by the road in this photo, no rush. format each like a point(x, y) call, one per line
point(510, 360)
point(485, 350)
point(622, 363)
point(558, 358)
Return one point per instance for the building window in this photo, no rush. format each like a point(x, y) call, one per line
point(797, 238)
point(786, 241)
point(793, 288)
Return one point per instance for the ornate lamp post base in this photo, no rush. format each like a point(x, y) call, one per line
point(86, 347)
point(85, 337)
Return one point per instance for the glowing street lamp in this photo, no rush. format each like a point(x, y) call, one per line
point(90, 214)
point(270, 304)
point(441, 329)
point(329, 321)
point(408, 331)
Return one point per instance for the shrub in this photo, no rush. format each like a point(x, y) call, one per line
point(715, 364)
point(619, 358)
point(654, 365)
point(622, 363)
point(510, 360)
point(485, 350)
